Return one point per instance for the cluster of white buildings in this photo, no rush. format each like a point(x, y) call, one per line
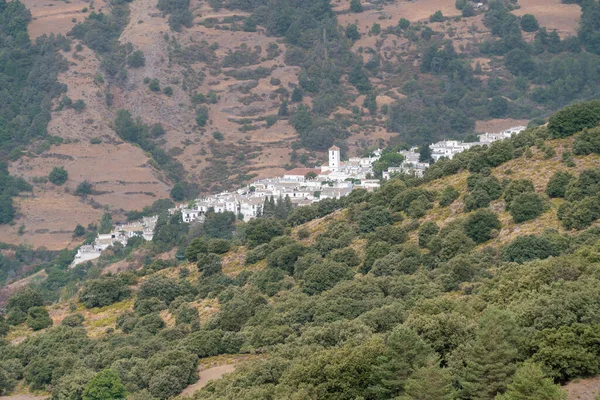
point(445, 149)
point(303, 186)
point(121, 234)
point(449, 148)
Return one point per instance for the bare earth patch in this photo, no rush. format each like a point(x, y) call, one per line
point(583, 389)
point(553, 15)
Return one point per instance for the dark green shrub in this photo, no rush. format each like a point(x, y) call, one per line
point(38, 318)
point(480, 225)
point(58, 176)
point(449, 195)
point(557, 185)
point(574, 118)
point(527, 248)
point(527, 206)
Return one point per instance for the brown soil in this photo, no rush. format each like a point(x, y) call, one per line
point(23, 397)
point(207, 375)
point(57, 16)
point(497, 125)
point(553, 15)
point(583, 389)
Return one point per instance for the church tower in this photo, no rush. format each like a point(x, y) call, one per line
point(334, 158)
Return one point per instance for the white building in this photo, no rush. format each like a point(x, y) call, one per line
point(120, 234)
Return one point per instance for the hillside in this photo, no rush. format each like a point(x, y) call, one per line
point(231, 78)
point(478, 280)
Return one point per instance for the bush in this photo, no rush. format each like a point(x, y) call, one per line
point(527, 248)
point(24, 299)
point(515, 188)
point(527, 206)
point(436, 17)
point(372, 218)
point(587, 142)
point(574, 118)
point(449, 195)
point(529, 23)
point(79, 231)
point(168, 91)
point(262, 230)
point(38, 318)
point(209, 264)
point(356, 6)
point(428, 230)
point(103, 292)
point(105, 385)
point(58, 176)
point(73, 320)
point(557, 185)
point(83, 189)
point(479, 225)
point(136, 59)
point(195, 248)
point(218, 246)
point(320, 277)
point(154, 85)
point(161, 287)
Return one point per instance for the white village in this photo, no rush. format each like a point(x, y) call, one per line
point(303, 186)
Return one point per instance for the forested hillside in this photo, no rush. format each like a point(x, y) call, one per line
point(478, 281)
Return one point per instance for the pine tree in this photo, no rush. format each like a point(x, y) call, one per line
point(529, 382)
point(430, 382)
point(280, 210)
point(491, 361)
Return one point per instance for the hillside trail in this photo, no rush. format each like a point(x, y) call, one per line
point(24, 397)
point(206, 375)
point(583, 389)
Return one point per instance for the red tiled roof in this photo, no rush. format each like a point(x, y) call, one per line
point(334, 148)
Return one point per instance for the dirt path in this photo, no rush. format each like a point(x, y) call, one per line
point(583, 389)
point(206, 375)
point(23, 397)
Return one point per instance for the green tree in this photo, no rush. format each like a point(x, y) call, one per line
point(490, 361)
point(195, 248)
point(480, 224)
point(557, 185)
point(449, 195)
point(515, 188)
point(498, 107)
point(427, 231)
point(24, 299)
point(79, 231)
point(374, 217)
point(575, 118)
point(106, 385)
point(527, 206)
point(38, 318)
point(320, 277)
point(436, 17)
point(356, 6)
point(352, 32)
point(136, 59)
point(529, 382)
point(7, 211)
point(262, 230)
point(209, 264)
point(430, 382)
point(58, 176)
point(529, 23)
point(103, 291)
point(83, 189)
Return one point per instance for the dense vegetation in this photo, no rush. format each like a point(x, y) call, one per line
point(380, 299)
point(28, 83)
